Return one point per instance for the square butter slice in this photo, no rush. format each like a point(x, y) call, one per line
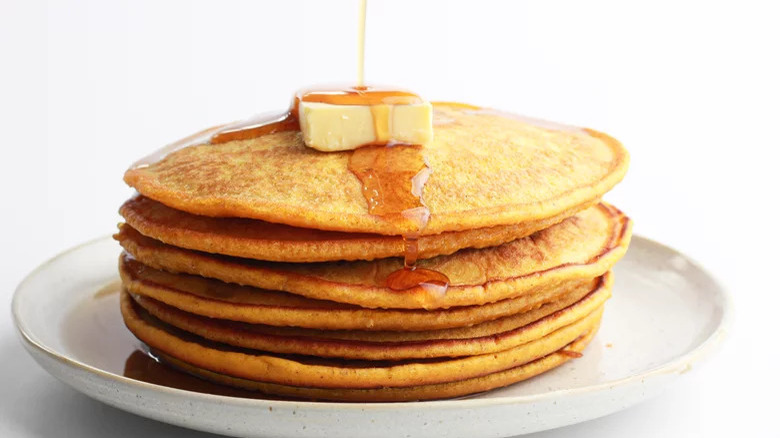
point(329, 127)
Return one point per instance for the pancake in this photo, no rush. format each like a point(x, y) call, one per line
point(262, 240)
point(489, 169)
point(581, 247)
point(216, 299)
point(528, 326)
point(488, 328)
point(331, 373)
point(413, 393)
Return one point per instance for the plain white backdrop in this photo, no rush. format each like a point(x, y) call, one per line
point(691, 88)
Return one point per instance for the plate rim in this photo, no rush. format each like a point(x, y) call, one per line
point(679, 365)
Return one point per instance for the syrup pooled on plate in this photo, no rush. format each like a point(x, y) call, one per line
point(144, 367)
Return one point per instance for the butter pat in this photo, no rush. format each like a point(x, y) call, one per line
point(329, 127)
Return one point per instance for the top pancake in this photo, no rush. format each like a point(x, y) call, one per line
point(489, 169)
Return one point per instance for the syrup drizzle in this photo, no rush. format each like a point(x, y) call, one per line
point(145, 367)
point(361, 47)
point(393, 178)
point(257, 126)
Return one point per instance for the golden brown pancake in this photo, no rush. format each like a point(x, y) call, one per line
point(528, 326)
point(484, 329)
point(581, 247)
point(314, 372)
point(216, 299)
point(413, 393)
point(262, 240)
point(489, 169)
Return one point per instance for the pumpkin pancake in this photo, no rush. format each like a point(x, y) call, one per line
point(262, 240)
point(527, 326)
point(581, 247)
point(489, 169)
point(412, 393)
point(216, 299)
point(488, 328)
point(334, 373)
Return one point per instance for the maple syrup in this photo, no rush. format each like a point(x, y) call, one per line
point(108, 289)
point(361, 46)
point(392, 179)
point(257, 126)
point(147, 368)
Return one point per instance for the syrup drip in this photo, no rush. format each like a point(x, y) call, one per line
point(393, 178)
point(256, 127)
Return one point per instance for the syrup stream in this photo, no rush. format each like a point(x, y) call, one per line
point(361, 47)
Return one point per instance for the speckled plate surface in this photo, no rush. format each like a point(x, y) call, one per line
point(666, 313)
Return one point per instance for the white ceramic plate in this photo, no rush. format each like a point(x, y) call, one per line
point(666, 313)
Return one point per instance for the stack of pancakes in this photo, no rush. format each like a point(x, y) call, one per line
point(256, 263)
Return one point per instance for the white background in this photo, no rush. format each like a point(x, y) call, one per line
point(691, 89)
